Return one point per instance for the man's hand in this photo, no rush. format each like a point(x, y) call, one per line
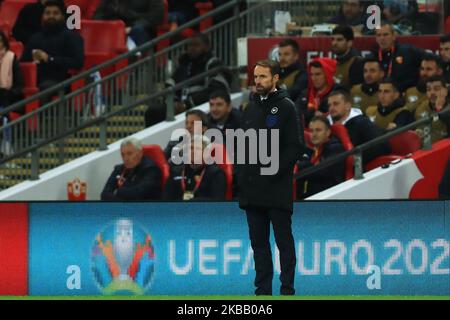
point(419, 132)
point(441, 99)
point(127, 30)
point(391, 126)
point(40, 56)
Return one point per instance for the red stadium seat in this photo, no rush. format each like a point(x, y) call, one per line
point(17, 48)
point(401, 145)
point(29, 72)
point(226, 166)
point(87, 7)
point(155, 153)
point(9, 10)
point(341, 133)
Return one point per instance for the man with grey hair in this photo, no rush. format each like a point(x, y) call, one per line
point(138, 178)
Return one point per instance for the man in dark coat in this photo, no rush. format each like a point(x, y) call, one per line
point(138, 178)
point(55, 49)
point(267, 196)
point(401, 62)
point(324, 146)
point(359, 127)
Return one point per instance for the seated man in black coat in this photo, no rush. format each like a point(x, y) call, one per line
point(359, 127)
point(138, 178)
point(192, 178)
point(55, 49)
point(222, 115)
point(325, 146)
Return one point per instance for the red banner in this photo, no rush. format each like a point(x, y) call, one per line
point(311, 47)
point(14, 249)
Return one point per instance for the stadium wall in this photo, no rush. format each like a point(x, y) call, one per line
point(343, 248)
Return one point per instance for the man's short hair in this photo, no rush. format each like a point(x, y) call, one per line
point(445, 38)
point(200, 114)
point(432, 57)
point(387, 23)
point(222, 94)
point(133, 141)
point(343, 93)
point(290, 42)
point(316, 64)
point(203, 37)
point(322, 119)
point(372, 59)
point(440, 79)
point(56, 3)
point(274, 66)
point(344, 30)
point(390, 81)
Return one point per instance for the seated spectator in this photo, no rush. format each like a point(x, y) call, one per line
point(438, 101)
point(444, 185)
point(430, 66)
point(313, 101)
point(193, 179)
point(325, 146)
point(444, 52)
point(401, 62)
point(222, 115)
point(28, 21)
point(366, 94)
point(192, 116)
point(293, 76)
point(390, 112)
point(55, 49)
point(11, 79)
point(138, 178)
point(349, 69)
point(400, 11)
point(359, 127)
point(352, 13)
point(198, 59)
point(141, 17)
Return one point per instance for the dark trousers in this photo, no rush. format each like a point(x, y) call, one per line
point(259, 220)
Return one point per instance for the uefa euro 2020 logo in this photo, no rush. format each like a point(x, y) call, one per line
point(123, 259)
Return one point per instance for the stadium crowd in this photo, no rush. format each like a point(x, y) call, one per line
point(395, 85)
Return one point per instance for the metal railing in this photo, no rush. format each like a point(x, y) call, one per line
point(357, 151)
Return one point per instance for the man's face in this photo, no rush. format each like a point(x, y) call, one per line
point(190, 121)
point(287, 56)
point(219, 109)
point(319, 133)
point(131, 156)
point(338, 108)
point(372, 73)
point(434, 89)
point(318, 78)
point(445, 51)
point(387, 94)
point(351, 9)
point(265, 82)
point(340, 45)
point(196, 47)
point(385, 37)
point(429, 69)
point(52, 16)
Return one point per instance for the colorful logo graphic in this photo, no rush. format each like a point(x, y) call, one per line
point(123, 259)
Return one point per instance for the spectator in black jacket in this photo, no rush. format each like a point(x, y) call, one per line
point(390, 112)
point(198, 59)
point(359, 127)
point(141, 17)
point(193, 179)
point(55, 48)
point(445, 56)
point(325, 146)
point(222, 115)
point(192, 116)
point(352, 13)
point(28, 21)
point(401, 62)
point(138, 178)
point(11, 79)
point(293, 76)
